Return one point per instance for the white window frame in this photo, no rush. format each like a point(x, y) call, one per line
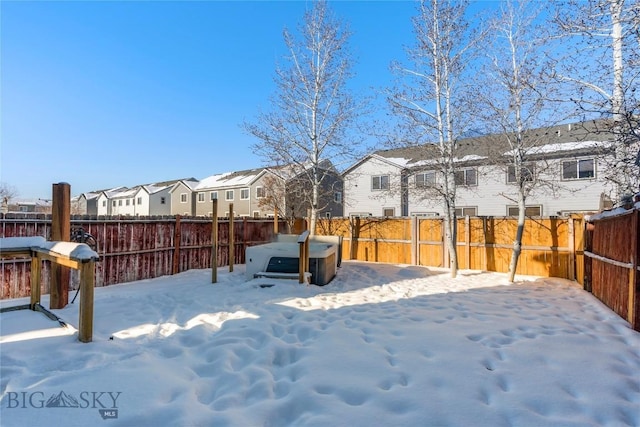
point(226, 196)
point(464, 211)
point(385, 210)
point(183, 197)
point(201, 197)
point(256, 214)
point(378, 183)
point(337, 197)
point(577, 162)
point(427, 179)
point(512, 210)
point(139, 200)
point(260, 192)
point(213, 196)
point(163, 200)
point(528, 176)
point(245, 193)
point(465, 175)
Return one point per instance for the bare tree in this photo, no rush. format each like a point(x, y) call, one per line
point(7, 192)
point(513, 97)
point(312, 110)
point(606, 32)
point(431, 95)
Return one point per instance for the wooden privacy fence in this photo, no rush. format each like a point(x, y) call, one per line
point(612, 260)
point(551, 246)
point(136, 248)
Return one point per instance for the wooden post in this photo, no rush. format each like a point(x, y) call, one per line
point(87, 278)
point(214, 242)
point(177, 236)
point(275, 221)
point(232, 240)
point(36, 268)
point(632, 316)
point(467, 239)
point(60, 232)
point(572, 249)
point(414, 240)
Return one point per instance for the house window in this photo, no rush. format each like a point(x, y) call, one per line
point(388, 212)
point(229, 195)
point(467, 211)
point(104, 203)
point(526, 171)
point(578, 169)
point(337, 196)
point(139, 200)
point(260, 192)
point(214, 195)
point(426, 179)
point(127, 202)
point(244, 194)
point(256, 214)
point(119, 202)
point(380, 182)
point(466, 177)
point(200, 197)
point(24, 208)
point(534, 210)
point(113, 203)
point(183, 198)
point(163, 200)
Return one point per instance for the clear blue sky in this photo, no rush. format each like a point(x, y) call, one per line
point(109, 93)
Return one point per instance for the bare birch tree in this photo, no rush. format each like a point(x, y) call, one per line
point(513, 96)
point(606, 32)
point(312, 111)
point(430, 97)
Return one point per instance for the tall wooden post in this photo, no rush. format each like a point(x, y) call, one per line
point(214, 242)
point(232, 240)
point(87, 282)
point(177, 237)
point(60, 232)
point(275, 221)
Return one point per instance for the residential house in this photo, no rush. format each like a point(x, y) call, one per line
point(182, 200)
point(566, 161)
point(244, 189)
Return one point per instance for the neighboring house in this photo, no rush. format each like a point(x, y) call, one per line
point(41, 206)
point(567, 161)
point(242, 188)
point(85, 204)
point(182, 197)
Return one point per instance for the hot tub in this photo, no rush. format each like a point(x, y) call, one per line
point(282, 257)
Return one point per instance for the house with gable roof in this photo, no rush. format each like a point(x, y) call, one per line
point(244, 189)
point(567, 160)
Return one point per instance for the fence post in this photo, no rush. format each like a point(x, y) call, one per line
point(214, 242)
point(232, 240)
point(467, 239)
point(87, 282)
point(177, 236)
point(61, 232)
point(414, 240)
point(572, 249)
point(275, 221)
point(634, 298)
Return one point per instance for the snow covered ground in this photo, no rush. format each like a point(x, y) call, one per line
point(381, 345)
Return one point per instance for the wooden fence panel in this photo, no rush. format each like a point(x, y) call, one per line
point(134, 248)
point(611, 267)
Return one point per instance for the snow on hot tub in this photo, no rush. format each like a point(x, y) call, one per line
point(282, 256)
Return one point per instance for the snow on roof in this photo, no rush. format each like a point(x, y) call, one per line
point(563, 146)
point(228, 179)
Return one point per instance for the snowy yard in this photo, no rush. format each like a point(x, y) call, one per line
point(381, 345)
